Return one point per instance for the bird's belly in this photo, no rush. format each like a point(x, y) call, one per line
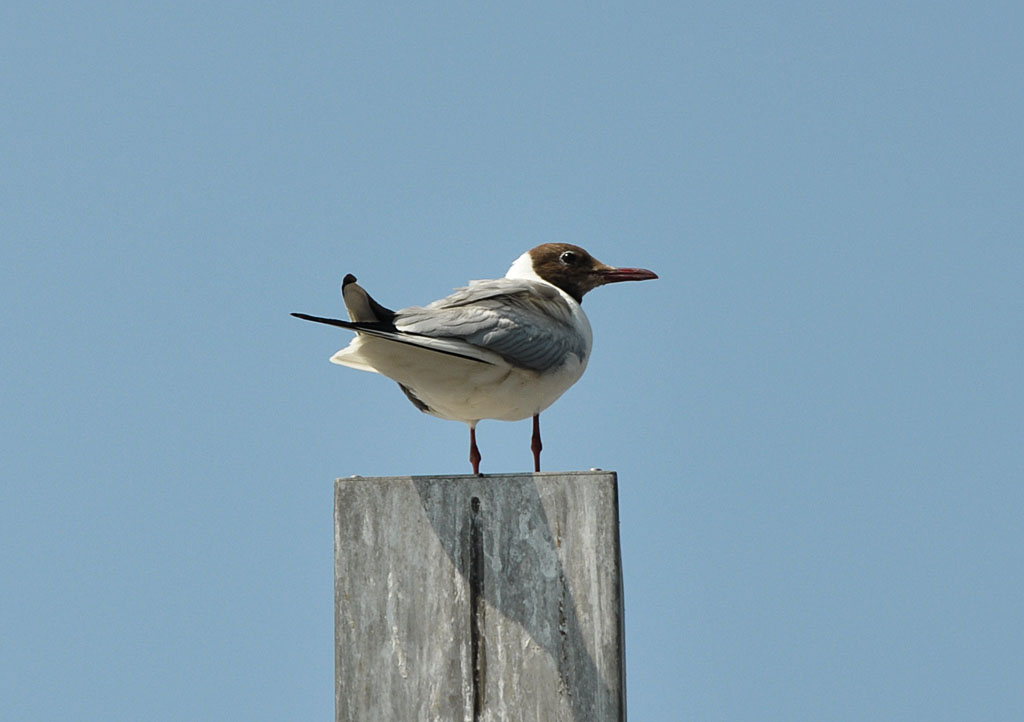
point(503, 393)
point(460, 389)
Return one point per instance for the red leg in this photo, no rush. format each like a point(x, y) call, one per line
point(536, 445)
point(474, 452)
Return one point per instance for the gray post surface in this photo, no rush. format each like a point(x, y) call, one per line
point(479, 599)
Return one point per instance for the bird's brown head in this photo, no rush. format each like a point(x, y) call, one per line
point(575, 271)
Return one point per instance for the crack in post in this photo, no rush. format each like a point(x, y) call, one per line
point(563, 636)
point(478, 656)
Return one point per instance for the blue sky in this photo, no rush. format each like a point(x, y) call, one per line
point(815, 413)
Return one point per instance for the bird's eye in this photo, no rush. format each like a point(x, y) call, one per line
point(569, 258)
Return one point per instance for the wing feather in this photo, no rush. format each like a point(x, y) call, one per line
point(527, 323)
point(523, 322)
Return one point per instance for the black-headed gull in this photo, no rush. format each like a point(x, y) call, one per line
point(502, 349)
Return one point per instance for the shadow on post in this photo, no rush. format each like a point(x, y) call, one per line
point(498, 536)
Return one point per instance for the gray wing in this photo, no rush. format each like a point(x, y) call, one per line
point(527, 323)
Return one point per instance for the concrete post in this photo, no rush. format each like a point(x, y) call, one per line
point(495, 598)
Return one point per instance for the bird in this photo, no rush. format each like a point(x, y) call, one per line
point(503, 349)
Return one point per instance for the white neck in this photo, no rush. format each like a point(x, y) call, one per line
point(523, 268)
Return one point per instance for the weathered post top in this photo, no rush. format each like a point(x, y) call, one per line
point(479, 598)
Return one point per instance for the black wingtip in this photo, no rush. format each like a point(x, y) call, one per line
point(321, 319)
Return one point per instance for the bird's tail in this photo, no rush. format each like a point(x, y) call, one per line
point(350, 355)
point(360, 304)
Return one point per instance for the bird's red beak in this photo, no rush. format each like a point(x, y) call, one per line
point(608, 274)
